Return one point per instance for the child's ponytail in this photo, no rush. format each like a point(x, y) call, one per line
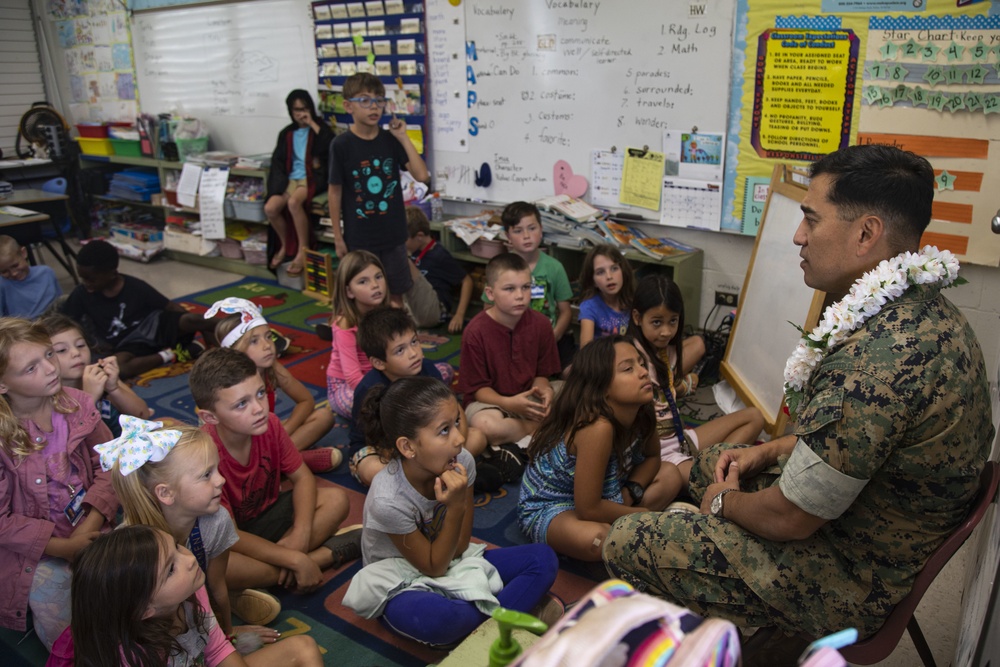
point(371, 423)
point(400, 409)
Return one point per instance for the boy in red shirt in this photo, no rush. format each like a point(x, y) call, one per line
point(508, 354)
point(286, 537)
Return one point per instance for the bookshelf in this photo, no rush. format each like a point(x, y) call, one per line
point(685, 270)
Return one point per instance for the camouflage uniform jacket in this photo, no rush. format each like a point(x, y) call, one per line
point(904, 404)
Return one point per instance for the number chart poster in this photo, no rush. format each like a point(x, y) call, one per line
point(820, 70)
point(932, 85)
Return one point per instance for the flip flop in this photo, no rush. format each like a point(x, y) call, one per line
point(278, 259)
point(294, 268)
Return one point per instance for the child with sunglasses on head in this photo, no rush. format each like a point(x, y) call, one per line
point(246, 330)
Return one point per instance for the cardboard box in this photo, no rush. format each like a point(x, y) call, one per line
point(182, 241)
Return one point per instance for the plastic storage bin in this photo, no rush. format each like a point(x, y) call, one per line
point(92, 131)
point(126, 147)
point(255, 249)
point(486, 248)
point(251, 211)
point(95, 146)
point(186, 147)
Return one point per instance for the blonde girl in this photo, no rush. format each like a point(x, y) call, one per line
point(607, 284)
point(360, 288)
point(657, 326)
point(54, 499)
point(168, 478)
point(246, 330)
point(100, 379)
point(139, 599)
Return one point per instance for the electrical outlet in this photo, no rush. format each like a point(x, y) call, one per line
point(727, 299)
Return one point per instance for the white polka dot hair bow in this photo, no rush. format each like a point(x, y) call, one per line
point(139, 442)
point(250, 317)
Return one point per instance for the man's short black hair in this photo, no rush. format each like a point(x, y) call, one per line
point(378, 328)
point(895, 185)
point(99, 255)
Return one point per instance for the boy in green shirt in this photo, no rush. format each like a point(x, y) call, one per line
point(550, 289)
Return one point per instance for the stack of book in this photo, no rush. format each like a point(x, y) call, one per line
point(628, 237)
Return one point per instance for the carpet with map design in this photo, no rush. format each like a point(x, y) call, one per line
point(346, 639)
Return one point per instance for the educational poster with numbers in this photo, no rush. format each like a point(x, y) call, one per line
point(548, 82)
point(932, 85)
point(805, 80)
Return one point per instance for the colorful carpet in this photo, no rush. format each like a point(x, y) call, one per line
point(346, 639)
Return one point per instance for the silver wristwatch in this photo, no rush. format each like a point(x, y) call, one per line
point(716, 508)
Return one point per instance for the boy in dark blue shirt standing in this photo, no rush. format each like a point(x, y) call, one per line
point(364, 186)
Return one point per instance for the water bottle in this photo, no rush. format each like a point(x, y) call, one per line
point(437, 207)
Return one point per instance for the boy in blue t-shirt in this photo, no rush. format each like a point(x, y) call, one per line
point(389, 337)
point(25, 291)
point(364, 185)
point(436, 265)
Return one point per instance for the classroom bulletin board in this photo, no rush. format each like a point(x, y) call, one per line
point(842, 72)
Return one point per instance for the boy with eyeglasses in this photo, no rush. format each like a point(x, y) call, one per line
point(364, 182)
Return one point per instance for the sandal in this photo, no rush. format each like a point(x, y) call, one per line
point(294, 269)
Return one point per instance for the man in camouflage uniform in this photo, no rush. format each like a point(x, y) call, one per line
point(826, 528)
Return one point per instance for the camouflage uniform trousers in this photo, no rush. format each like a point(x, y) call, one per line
point(671, 556)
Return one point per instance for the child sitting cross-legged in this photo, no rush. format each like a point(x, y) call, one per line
point(286, 537)
point(508, 354)
point(128, 317)
point(389, 337)
point(422, 576)
point(246, 330)
point(596, 456)
point(437, 274)
point(169, 478)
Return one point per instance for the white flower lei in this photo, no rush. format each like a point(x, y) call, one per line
point(885, 283)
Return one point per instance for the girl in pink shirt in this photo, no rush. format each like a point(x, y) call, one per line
point(53, 496)
point(139, 599)
point(360, 288)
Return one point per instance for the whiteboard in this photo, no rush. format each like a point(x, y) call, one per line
point(556, 79)
point(773, 295)
point(230, 65)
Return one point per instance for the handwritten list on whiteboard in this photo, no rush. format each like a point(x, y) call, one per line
point(551, 81)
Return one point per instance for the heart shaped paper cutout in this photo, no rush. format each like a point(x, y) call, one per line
point(566, 182)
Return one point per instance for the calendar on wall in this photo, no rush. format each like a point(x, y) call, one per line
point(691, 203)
